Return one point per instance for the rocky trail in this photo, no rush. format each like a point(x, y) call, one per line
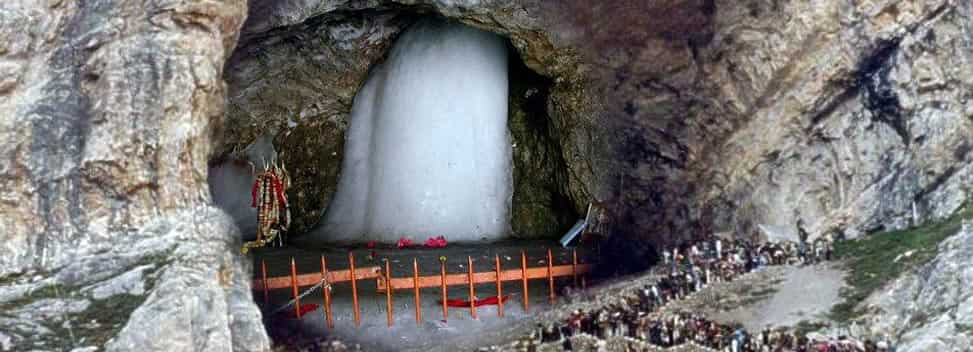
point(777, 296)
point(755, 293)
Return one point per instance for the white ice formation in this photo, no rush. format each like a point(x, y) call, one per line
point(428, 150)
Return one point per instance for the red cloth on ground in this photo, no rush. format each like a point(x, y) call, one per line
point(489, 301)
point(436, 242)
point(404, 242)
point(305, 308)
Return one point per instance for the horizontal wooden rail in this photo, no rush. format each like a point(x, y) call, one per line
point(483, 277)
point(334, 276)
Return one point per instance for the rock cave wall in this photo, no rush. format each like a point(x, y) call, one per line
point(107, 111)
point(743, 116)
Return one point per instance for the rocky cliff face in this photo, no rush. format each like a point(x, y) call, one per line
point(855, 118)
point(106, 115)
point(930, 308)
point(748, 115)
point(687, 116)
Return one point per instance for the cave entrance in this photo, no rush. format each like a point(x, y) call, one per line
point(448, 136)
point(272, 115)
point(437, 140)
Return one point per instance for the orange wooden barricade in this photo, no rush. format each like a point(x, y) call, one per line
point(472, 293)
point(388, 294)
point(499, 289)
point(574, 266)
point(385, 281)
point(523, 277)
point(263, 272)
point(524, 274)
point(297, 301)
point(415, 283)
point(334, 276)
point(442, 268)
point(550, 275)
point(327, 294)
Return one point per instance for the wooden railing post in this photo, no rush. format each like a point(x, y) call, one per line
point(523, 276)
point(499, 289)
point(297, 300)
point(574, 266)
point(327, 294)
point(263, 272)
point(388, 291)
point(550, 274)
point(415, 284)
point(472, 292)
point(442, 271)
point(354, 288)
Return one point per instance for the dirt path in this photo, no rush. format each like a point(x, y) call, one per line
point(805, 294)
point(775, 296)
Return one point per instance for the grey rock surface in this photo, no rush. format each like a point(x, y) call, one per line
point(107, 109)
point(109, 126)
point(178, 284)
point(131, 282)
point(930, 308)
point(848, 121)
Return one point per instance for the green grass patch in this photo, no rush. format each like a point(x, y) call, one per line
point(43, 292)
point(99, 322)
point(877, 259)
point(11, 279)
point(964, 328)
point(94, 326)
point(110, 314)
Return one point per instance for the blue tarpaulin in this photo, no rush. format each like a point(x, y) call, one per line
point(576, 229)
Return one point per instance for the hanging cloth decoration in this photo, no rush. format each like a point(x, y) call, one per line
point(269, 196)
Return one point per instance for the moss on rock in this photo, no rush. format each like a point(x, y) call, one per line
point(875, 260)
